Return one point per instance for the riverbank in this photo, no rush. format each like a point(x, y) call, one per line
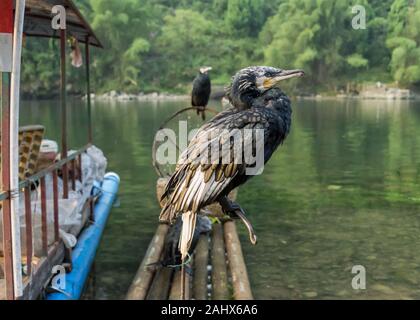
point(377, 92)
point(356, 97)
point(121, 96)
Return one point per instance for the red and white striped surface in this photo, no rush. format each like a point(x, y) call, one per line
point(6, 35)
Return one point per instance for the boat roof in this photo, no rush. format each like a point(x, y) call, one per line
point(38, 18)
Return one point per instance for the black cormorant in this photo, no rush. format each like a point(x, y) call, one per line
point(257, 103)
point(201, 91)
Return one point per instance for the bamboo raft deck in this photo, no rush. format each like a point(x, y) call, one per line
point(218, 267)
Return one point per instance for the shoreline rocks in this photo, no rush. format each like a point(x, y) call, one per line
point(122, 96)
point(377, 92)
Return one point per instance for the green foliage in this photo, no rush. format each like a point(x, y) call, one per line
point(357, 61)
point(316, 36)
point(245, 17)
point(40, 72)
point(124, 27)
point(404, 41)
point(186, 42)
point(160, 44)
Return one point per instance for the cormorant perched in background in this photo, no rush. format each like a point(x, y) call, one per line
point(199, 181)
point(201, 91)
point(171, 254)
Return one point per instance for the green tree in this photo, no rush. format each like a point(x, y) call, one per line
point(316, 36)
point(245, 17)
point(125, 28)
point(160, 44)
point(404, 41)
point(186, 43)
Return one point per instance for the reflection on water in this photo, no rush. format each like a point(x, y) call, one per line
point(342, 191)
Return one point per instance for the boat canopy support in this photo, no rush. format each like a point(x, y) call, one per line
point(32, 18)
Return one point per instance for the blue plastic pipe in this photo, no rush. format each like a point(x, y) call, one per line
point(88, 242)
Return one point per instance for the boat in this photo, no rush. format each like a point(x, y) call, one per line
point(54, 205)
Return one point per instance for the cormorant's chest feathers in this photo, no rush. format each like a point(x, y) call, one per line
point(278, 105)
point(201, 90)
point(202, 80)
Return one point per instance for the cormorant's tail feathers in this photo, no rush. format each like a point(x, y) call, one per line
point(188, 226)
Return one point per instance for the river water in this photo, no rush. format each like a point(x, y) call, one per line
point(343, 190)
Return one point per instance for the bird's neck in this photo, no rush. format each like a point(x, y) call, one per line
point(277, 101)
point(281, 103)
point(244, 101)
point(284, 109)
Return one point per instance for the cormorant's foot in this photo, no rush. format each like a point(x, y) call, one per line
point(232, 210)
point(201, 110)
point(235, 211)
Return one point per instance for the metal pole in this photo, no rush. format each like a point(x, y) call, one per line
point(89, 110)
point(14, 144)
point(63, 111)
point(5, 175)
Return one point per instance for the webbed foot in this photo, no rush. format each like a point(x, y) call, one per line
point(235, 211)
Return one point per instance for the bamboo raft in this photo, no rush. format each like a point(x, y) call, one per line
point(218, 267)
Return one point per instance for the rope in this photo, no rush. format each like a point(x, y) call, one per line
point(187, 261)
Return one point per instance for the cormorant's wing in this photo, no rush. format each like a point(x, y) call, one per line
point(214, 157)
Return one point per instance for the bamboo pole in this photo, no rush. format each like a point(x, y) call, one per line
point(183, 294)
point(14, 144)
point(159, 290)
point(5, 173)
point(63, 84)
point(89, 109)
point(141, 283)
point(240, 280)
point(219, 271)
point(175, 293)
point(200, 268)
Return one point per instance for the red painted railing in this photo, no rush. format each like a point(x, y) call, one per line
point(74, 162)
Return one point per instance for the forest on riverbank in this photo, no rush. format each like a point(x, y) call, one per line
point(158, 45)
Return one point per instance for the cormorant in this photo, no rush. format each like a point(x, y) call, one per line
point(199, 181)
point(201, 91)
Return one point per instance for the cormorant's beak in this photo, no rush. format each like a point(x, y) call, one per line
point(283, 75)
